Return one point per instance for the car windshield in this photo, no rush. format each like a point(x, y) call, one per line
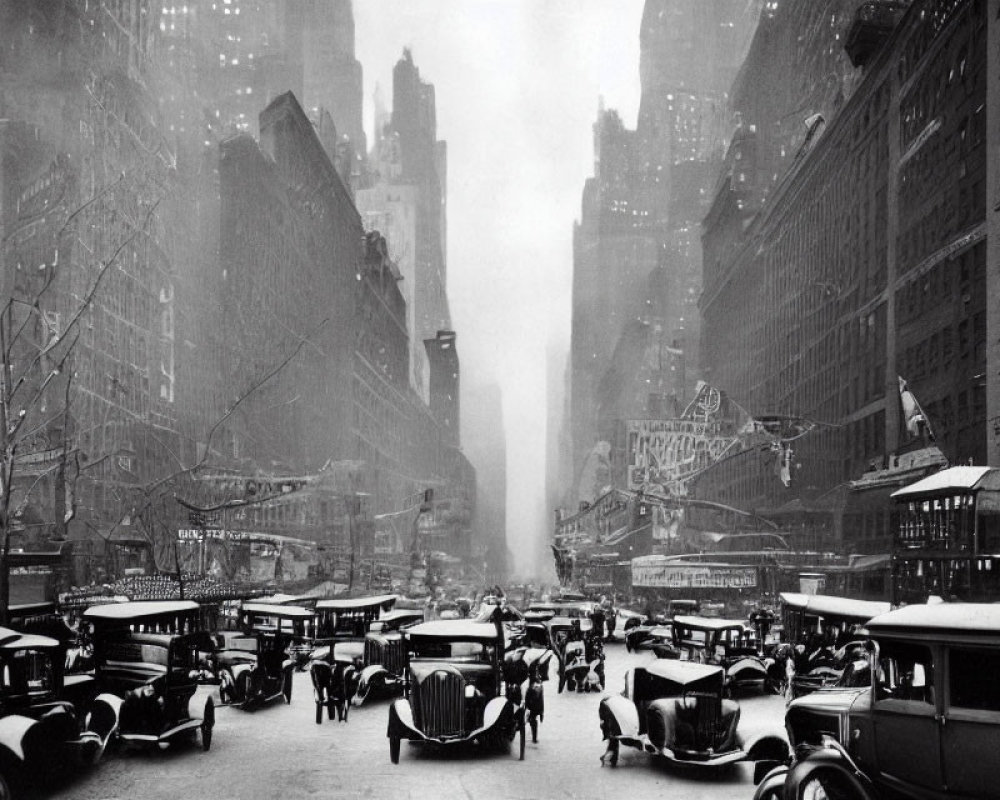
point(26, 671)
point(443, 650)
point(245, 643)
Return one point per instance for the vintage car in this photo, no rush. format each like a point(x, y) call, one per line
point(384, 655)
point(147, 654)
point(727, 643)
point(256, 667)
point(928, 726)
point(578, 648)
point(457, 690)
point(845, 667)
point(648, 633)
point(676, 709)
point(50, 723)
point(344, 652)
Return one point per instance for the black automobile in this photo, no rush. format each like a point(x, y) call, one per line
point(49, 723)
point(255, 667)
point(928, 725)
point(147, 654)
point(458, 690)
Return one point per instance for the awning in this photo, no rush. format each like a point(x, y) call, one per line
point(947, 481)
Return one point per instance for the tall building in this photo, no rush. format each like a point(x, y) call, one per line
point(865, 263)
point(641, 211)
point(406, 199)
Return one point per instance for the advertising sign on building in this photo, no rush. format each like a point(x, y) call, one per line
point(673, 575)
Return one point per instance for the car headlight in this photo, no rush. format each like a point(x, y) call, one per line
point(146, 691)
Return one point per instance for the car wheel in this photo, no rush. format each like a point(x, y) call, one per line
point(394, 749)
point(241, 689)
point(521, 744)
point(286, 688)
point(207, 723)
point(5, 792)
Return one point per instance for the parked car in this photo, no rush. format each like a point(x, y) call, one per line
point(727, 643)
point(457, 689)
point(676, 710)
point(649, 633)
point(338, 661)
point(384, 657)
point(846, 667)
point(49, 723)
point(256, 668)
point(927, 726)
point(579, 650)
point(147, 655)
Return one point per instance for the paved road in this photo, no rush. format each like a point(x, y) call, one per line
point(279, 751)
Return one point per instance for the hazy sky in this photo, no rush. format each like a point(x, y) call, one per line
point(517, 85)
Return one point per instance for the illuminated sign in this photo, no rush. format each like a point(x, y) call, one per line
point(692, 576)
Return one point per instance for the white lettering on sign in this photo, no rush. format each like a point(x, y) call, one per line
point(693, 576)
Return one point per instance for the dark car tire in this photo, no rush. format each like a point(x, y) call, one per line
point(207, 723)
point(286, 687)
point(5, 792)
point(523, 739)
point(394, 749)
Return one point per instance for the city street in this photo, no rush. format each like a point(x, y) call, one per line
point(280, 751)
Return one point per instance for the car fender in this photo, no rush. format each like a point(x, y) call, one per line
point(767, 746)
point(401, 724)
point(320, 654)
point(102, 719)
point(13, 729)
point(828, 761)
point(772, 783)
point(619, 717)
point(367, 678)
point(497, 711)
point(239, 669)
point(746, 663)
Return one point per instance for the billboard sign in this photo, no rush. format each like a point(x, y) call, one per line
point(671, 575)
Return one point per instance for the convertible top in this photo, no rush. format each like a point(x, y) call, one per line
point(709, 623)
point(139, 609)
point(12, 640)
point(825, 605)
point(352, 603)
point(455, 629)
point(284, 612)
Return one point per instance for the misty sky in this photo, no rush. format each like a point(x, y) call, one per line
point(517, 85)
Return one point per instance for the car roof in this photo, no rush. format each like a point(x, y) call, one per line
point(139, 609)
point(349, 603)
point(402, 613)
point(286, 612)
point(709, 623)
point(959, 618)
point(834, 606)
point(680, 671)
point(455, 629)
point(14, 640)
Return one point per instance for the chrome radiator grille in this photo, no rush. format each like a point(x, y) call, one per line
point(393, 657)
point(440, 703)
point(373, 651)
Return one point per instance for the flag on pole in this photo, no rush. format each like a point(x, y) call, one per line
point(914, 418)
